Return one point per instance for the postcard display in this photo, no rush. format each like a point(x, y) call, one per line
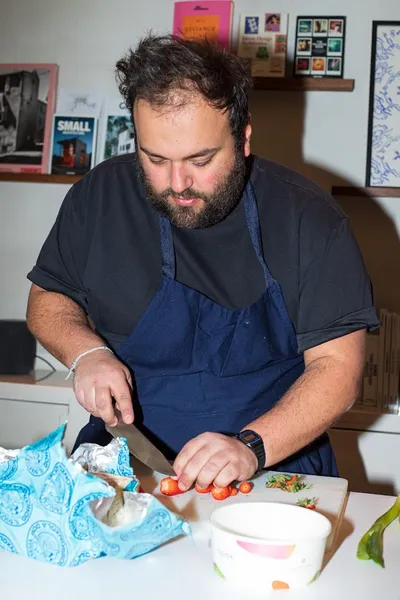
point(319, 46)
point(27, 104)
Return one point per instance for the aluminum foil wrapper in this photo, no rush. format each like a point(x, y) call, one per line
point(111, 463)
point(113, 459)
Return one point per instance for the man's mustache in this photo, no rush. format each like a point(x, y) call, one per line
point(189, 193)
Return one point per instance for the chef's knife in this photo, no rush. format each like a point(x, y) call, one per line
point(142, 448)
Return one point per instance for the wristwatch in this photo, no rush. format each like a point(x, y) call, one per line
point(253, 441)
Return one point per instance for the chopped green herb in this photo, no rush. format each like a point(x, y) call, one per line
point(287, 483)
point(307, 502)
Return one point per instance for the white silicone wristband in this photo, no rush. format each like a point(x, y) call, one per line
point(78, 358)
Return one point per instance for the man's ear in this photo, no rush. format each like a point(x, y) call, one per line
point(246, 142)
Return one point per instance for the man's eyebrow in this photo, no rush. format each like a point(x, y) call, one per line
point(200, 153)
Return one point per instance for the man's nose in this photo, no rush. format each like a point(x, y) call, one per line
point(180, 179)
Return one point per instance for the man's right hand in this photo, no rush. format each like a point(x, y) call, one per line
point(99, 378)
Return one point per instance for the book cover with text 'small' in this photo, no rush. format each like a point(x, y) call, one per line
point(73, 144)
point(211, 19)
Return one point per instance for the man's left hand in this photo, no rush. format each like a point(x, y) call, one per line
point(214, 458)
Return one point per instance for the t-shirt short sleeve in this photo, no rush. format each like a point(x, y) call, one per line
point(335, 292)
point(61, 261)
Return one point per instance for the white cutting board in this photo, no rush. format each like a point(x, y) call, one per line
point(330, 492)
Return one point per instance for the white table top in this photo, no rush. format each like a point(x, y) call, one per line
point(182, 569)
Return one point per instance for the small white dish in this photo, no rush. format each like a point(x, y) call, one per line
point(268, 545)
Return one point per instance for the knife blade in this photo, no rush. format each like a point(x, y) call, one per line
point(142, 448)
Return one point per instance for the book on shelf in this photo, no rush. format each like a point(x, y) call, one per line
point(211, 19)
point(319, 46)
point(381, 379)
point(73, 144)
point(263, 43)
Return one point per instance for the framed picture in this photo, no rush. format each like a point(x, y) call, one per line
point(27, 104)
point(319, 47)
point(383, 146)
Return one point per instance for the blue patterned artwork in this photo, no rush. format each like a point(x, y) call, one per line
point(383, 160)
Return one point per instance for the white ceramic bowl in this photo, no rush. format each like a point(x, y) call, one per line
point(268, 545)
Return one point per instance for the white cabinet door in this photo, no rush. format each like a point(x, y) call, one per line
point(22, 422)
point(369, 460)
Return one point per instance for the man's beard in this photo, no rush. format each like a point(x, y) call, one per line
point(216, 207)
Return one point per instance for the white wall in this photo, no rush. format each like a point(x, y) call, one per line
point(321, 134)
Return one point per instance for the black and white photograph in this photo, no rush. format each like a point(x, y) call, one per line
point(27, 102)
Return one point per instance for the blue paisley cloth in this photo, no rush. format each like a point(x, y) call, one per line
point(45, 509)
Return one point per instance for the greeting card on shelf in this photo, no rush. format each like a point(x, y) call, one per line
point(27, 105)
point(263, 43)
point(211, 19)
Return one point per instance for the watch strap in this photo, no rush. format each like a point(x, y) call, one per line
point(253, 440)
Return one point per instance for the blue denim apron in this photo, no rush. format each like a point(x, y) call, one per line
point(201, 367)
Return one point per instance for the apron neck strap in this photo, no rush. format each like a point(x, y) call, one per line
point(167, 248)
point(253, 224)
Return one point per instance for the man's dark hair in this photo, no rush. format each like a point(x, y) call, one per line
point(161, 65)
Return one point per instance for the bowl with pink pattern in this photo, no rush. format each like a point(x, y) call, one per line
point(268, 545)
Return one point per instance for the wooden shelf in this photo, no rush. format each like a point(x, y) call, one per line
point(39, 178)
point(372, 192)
point(304, 84)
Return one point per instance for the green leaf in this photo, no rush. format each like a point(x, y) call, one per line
point(375, 547)
point(218, 571)
point(371, 544)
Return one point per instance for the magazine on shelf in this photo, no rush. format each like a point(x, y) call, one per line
point(27, 105)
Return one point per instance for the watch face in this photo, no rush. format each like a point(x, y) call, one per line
point(249, 437)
